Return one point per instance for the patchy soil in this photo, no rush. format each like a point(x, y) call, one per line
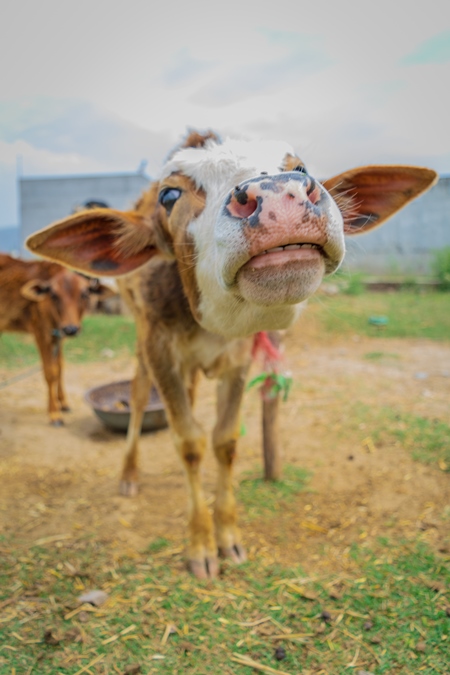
point(63, 482)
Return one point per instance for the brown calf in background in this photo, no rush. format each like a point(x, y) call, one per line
point(48, 301)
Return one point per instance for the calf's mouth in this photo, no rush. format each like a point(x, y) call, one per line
point(282, 275)
point(284, 254)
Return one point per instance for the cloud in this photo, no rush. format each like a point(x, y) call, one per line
point(434, 50)
point(286, 57)
point(184, 67)
point(66, 127)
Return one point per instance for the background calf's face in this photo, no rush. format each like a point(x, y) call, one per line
point(69, 296)
point(63, 299)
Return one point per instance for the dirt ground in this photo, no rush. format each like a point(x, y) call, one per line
point(63, 482)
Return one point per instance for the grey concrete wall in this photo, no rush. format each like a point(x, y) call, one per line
point(405, 243)
point(44, 200)
point(9, 239)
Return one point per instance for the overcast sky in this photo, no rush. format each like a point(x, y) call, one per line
point(98, 86)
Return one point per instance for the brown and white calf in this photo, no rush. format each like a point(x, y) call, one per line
point(48, 301)
point(231, 240)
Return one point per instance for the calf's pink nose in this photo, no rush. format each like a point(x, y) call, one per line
point(245, 200)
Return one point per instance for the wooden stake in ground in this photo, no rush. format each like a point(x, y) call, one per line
point(273, 387)
point(271, 442)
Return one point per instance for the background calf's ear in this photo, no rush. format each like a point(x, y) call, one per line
point(101, 242)
point(102, 291)
point(35, 290)
point(369, 195)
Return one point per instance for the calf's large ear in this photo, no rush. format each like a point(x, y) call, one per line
point(98, 242)
point(369, 195)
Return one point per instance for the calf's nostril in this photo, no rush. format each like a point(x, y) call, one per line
point(313, 194)
point(242, 205)
point(241, 197)
point(245, 210)
point(313, 191)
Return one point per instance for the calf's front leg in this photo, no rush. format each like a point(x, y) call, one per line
point(190, 442)
point(48, 349)
point(202, 552)
point(140, 389)
point(62, 398)
point(226, 433)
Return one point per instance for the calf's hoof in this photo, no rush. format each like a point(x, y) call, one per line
point(128, 488)
point(207, 568)
point(58, 422)
point(236, 553)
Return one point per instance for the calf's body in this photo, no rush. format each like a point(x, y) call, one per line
point(172, 350)
point(231, 240)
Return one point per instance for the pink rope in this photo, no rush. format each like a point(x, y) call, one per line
point(271, 354)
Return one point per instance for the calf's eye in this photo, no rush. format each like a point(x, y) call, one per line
point(168, 197)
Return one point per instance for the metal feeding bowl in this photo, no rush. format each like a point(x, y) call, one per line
point(111, 403)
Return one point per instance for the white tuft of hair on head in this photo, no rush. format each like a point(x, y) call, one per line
point(229, 162)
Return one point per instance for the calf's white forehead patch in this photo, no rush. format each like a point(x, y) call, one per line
point(219, 166)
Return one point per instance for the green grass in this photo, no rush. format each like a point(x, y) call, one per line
point(410, 315)
point(17, 350)
point(428, 440)
point(350, 283)
point(387, 614)
point(261, 497)
point(441, 266)
point(158, 545)
point(115, 334)
point(100, 332)
point(380, 356)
